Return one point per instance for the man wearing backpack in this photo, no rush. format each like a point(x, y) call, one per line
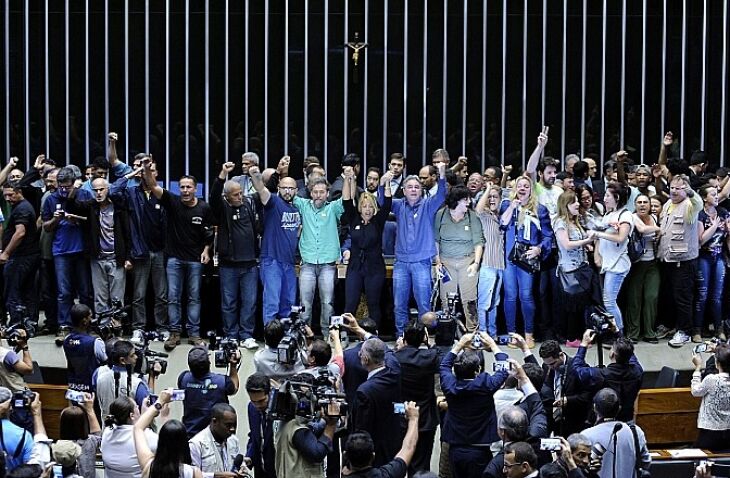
point(235, 252)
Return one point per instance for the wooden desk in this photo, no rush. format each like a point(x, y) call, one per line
point(667, 415)
point(53, 400)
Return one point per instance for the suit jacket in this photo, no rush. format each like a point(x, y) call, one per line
point(373, 412)
point(579, 398)
point(418, 369)
point(398, 192)
point(254, 447)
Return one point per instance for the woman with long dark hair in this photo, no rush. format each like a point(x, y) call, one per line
point(172, 459)
point(79, 424)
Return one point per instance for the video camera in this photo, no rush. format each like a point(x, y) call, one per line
point(22, 399)
point(148, 358)
point(310, 397)
point(293, 345)
point(600, 321)
point(449, 322)
point(11, 333)
point(223, 349)
point(110, 323)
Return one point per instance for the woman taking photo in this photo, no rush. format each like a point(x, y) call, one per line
point(458, 236)
point(117, 441)
point(79, 424)
point(713, 421)
point(643, 280)
point(366, 268)
point(528, 239)
point(572, 240)
point(172, 459)
point(491, 271)
point(712, 226)
point(612, 252)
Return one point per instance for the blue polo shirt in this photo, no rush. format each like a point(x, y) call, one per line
point(414, 241)
point(68, 237)
point(12, 436)
point(281, 230)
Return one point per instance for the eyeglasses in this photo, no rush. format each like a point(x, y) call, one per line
point(510, 465)
point(287, 188)
point(65, 188)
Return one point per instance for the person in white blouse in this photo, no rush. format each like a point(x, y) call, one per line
point(713, 421)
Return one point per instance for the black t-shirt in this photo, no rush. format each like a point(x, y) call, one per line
point(188, 228)
point(22, 213)
point(395, 469)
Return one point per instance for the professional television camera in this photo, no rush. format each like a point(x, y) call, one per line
point(148, 358)
point(293, 346)
point(450, 322)
point(602, 322)
point(308, 396)
point(223, 349)
point(11, 333)
point(110, 323)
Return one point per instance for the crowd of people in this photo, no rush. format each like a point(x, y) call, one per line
point(565, 258)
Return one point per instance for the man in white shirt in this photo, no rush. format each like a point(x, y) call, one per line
point(214, 449)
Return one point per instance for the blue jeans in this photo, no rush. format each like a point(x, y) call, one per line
point(611, 287)
point(490, 286)
point(407, 276)
point(239, 286)
point(181, 272)
point(518, 282)
point(72, 277)
point(146, 269)
point(280, 288)
point(710, 283)
point(310, 277)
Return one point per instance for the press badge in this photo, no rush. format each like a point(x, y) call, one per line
point(157, 206)
point(357, 228)
point(236, 217)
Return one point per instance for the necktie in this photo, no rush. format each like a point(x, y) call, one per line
point(558, 392)
point(263, 438)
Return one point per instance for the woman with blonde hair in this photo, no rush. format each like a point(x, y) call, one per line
point(577, 278)
point(528, 240)
point(366, 267)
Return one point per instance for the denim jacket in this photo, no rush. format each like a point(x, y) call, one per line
point(541, 235)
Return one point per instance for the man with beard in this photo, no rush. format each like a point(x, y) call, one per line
point(319, 247)
point(475, 185)
point(278, 246)
point(372, 180)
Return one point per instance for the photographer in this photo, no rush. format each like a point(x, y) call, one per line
point(624, 373)
point(80, 428)
point(419, 364)
point(322, 355)
point(215, 448)
point(470, 424)
point(260, 453)
point(355, 373)
point(626, 452)
point(117, 380)
point(16, 443)
point(266, 360)
point(84, 352)
point(713, 422)
point(300, 452)
point(17, 362)
point(360, 450)
point(203, 388)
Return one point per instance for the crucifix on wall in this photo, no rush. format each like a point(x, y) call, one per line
point(356, 45)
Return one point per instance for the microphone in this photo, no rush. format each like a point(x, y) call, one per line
point(617, 428)
point(152, 353)
point(237, 462)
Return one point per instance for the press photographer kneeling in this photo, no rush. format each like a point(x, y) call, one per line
point(17, 362)
point(301, 403)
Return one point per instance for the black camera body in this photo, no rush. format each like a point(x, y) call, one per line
point(151, 361)
point(600, 321)
point(308, 400)
point(449, 321)
point(11, 333)
point(148, 358)
point(110, 323)
point(294, 341)
point(226, 348)
point(22, 399)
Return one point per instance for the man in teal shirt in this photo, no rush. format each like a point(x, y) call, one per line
point(319, 246)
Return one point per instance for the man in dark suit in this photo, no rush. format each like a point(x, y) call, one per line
point(566, 401)
point(350, 160)
point(355, 373)
point(260, 454)
point(419, 365)
point(397, 167)
point(471, 423)
point(373, 409)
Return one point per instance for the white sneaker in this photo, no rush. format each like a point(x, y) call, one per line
point(137, 337)
point(679, 339)
point(250, 343)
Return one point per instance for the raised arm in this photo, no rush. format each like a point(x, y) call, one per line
point(258, 184)
point(144, 454)
point(411, 439)
point(621, 157)
point(666, 143)
point(482, 204)
point(12, 163)
point(531, 168)
point(151, 182)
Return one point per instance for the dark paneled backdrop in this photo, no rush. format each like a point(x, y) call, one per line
point(479, 77)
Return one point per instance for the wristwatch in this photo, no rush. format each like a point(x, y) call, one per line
point(158, 406)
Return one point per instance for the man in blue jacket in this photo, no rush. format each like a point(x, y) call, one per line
point(470, 425)
point(414, 246)
point(260, 453)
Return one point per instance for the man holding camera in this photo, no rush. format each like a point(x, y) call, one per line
point(118, 379)
point(300, 451)
point(266, 360)
point(16, 443)
point(215, 448)
point(470, 425)
point(84, 352)
point(624, 374)
point(17, 362)
point(203, 388)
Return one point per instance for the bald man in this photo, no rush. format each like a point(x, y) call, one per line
point(278, 246)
